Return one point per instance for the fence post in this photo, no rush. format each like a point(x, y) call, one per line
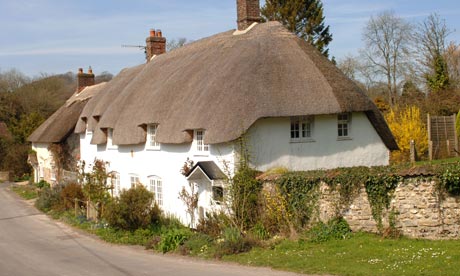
point(75, 206)
point(430, 143)
point(412, 151)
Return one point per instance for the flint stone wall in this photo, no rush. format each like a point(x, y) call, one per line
point(420, 211)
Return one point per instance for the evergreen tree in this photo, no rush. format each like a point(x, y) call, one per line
point(303, 17)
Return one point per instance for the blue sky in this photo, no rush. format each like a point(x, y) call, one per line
point(57, 36)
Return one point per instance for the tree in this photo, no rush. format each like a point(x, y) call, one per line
point(303, 17)
point(430, 38)
point(387, 38)
point(406, 125)
point(452, 57)
point(12, 80)
point(174, 44)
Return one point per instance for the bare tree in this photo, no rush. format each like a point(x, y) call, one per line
point(11, 80)
point(452, 57)
point(387, 38)
point(431, 43)
point(431, 39)
point(176, 43)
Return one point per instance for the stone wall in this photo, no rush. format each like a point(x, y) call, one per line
point(420, 211)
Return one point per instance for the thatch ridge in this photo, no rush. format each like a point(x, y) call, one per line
point(62, 123)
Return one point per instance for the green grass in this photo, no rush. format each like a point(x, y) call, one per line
point(25, 191)
point(363, 254)
point(440, 161)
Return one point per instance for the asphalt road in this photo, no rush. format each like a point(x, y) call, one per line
point(33, 244)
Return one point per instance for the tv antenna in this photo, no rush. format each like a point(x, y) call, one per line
point(137, 46)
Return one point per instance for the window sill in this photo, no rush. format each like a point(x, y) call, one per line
point(204, 153)
point(305, 140)
point(344, 138)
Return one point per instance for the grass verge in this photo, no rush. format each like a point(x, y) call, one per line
point(362, 254)
point(25, 191)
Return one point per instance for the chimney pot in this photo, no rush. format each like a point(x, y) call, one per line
point(155, 45)
point(84, 79)
point(152, 32)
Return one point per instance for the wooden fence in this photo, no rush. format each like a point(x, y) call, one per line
point(442, 137)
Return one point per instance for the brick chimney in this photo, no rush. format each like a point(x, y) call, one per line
point(84, 79)
point(248, 13)
point(155, 44)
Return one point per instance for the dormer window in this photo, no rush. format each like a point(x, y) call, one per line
point(152, 142)
point(200, 146)
point(110, 144)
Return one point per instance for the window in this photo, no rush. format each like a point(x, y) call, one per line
point(156, 187)
point(302, 129)
point(134, 180)
point(115, 182)
point(218, 194)
point(110, 144)
point(152, 137)
point(343, 125)
point(200, 145)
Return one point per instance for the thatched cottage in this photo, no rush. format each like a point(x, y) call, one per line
point(58, 129)
point(293, 107)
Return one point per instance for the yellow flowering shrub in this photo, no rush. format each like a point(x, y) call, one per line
point(406, 125)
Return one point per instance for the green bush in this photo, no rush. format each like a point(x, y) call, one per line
point(42, 184)
point(450, 178)
point(134, 209)
point(70, 193)
point(212, 224)
point(49, 198)
point(172, 239)
point(197, 244)
point(335, 229)
point(233, 243)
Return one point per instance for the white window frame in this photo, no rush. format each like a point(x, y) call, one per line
point(134, 179)
point(151, 141)
point(88, 132)
point(344, 126)
point(214, 199)
point(110, 144)
point(115, 181)
point(156, 187)
point(301, 129)
point(200, 146)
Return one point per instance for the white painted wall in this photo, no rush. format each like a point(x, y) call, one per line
point(45, 159)
point(270, 146)
point(165, 163)
point(268, 142)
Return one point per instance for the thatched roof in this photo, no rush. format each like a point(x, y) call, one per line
point(226, 82)
point(62, 123)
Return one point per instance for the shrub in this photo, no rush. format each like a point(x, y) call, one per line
point(450, 178)
point(212, 224)
point(42, 184)
point(407, 125)
point(70, 193)
point(197, 244)
point(134, 209)
point(172, 239)
point(49, 198)
point(233, 243)
point(336, 229)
